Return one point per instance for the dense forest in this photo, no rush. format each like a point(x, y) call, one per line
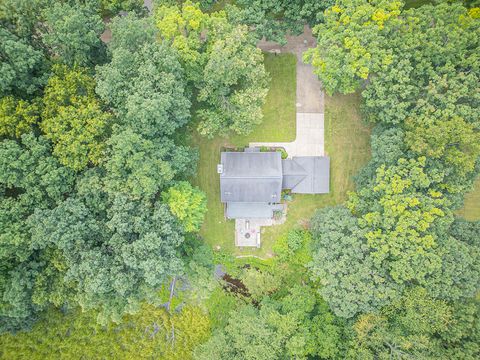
point(101, 254)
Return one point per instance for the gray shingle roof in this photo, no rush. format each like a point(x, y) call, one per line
point(251, 177)
point(293, 173)
point(245, 210)
point(318, 179)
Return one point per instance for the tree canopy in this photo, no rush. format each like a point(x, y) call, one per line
point(73, 33)
point(221, 62)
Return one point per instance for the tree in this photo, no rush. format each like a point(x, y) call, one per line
point(234, 86)
point(459, 276)
point(187, 203)
point(222, 62)
point(260, 283)
point(30, 179)
point(145, 85)
point(73, 119)
point(23, 18)
point(182, 27)
point(141, 167)
point(403, 214)
point(434, 81)
point(22, 66)
point(117, 262)
point(73, 33)
point(350, 43)
point(145, 334)
point(351, 281)
point(110, 7)
point(272, 19)
point(290, 324)
point(417, 326)
point(131, 32)
point(454, 140)
point(17, 117)
point(265, 333)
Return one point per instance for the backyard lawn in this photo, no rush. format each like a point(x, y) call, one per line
point(471, 208)
point(346, 142)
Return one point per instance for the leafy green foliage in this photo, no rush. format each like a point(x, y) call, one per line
point(140, 167)
point(259, 283)
point(349, 45)
point(417, 326)
point(294, 248)
point(21, 66)
point(23, 17)
point(454, 140)
point(145, 84)
point(350, 281)
point(110, 7)
point(402, 205)
point(17, 117)
point(151, 333)
point(278, 329)
point(273, 18)
point(30, 178)
point(222, 62)
point(118, 262)
point(73, 33)
point(73, 119)
point(234, 85)
point(187, 203)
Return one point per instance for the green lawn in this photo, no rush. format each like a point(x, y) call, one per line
point(471, 208)
point(279, 110)
point(278, 125)
point(346, 142)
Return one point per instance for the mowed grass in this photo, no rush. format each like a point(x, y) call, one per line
point(347, 143)
point(278, 125)
point(471, 207)
point(279, 111)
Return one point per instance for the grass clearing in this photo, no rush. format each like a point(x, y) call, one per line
point(471, 207)
point(347, 142)
point(278, 125)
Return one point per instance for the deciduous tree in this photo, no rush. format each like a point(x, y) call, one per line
point(17, 116)
point(73, 33)
point(73, 119)
point(187, 203)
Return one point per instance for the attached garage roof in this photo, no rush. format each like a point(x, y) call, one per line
point(317, 180)
point(293, 173)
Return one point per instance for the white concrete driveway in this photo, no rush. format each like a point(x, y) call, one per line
point(309, 140)
point(310, 133)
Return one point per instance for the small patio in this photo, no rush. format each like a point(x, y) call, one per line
point(248, 231)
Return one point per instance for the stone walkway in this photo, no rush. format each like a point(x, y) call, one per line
point(309, 139)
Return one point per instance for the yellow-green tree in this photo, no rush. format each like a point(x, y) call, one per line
point(187, 203)
point(73, 118)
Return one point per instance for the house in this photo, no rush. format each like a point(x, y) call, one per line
point(251, 182)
